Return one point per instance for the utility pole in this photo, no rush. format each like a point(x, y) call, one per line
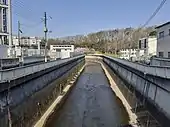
point(19, 30)
point(45, 34)
point(19, 40)
point(8, 106)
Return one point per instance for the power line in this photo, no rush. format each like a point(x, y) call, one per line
point(20, 15)
point(17, 14)
point(155, 12)
point(150, 18)
point(32, 26)
point(21, 5)
point(28, 27)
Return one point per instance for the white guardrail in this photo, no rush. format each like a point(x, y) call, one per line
point(15, 73)
point(163, 72)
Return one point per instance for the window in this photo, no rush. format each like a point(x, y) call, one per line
point(161, 54)
point(5, 29)
point(4, 17)
point(4, 11)
point(139, 44)
point(161, 34)
point(145, 41)
point(4, 2)
point(168, 54)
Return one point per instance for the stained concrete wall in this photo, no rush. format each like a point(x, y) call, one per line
point(16, 76)
point(156, 61)
point(29, 98)
point(156, 71)
point(157, 96)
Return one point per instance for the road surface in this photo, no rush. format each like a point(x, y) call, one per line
point(91, 103)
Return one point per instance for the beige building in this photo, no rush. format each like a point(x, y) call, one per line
point(163, 38)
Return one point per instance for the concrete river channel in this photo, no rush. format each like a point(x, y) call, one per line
point(91, 103)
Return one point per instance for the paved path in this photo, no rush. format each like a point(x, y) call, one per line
point(91, 103)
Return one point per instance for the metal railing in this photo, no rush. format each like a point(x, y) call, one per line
point(15, 73)
point(163, 72)
point(155, 93)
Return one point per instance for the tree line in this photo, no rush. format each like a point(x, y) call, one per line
point(109, 41)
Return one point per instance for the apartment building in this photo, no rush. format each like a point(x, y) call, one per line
point(30, 46)
point(163, 38)
point(26, 41)
point(3, 22)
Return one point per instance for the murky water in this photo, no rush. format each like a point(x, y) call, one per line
point(91, 103)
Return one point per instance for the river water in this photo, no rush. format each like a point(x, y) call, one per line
point(91, 103)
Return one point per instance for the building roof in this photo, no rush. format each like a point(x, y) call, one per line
point(167, 23)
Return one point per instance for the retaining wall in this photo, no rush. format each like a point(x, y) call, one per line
point(156, 97)
point(32, 95)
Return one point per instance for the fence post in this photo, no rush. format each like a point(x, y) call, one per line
point(144, 89)
point(8, 108)
point(60, 89)
point(155, 94)
point(1, 65)
point(148, 121)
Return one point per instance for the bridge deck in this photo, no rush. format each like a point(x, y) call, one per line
point(91, 103)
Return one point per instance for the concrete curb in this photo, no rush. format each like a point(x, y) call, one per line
point(132, 116)
point(58, 102)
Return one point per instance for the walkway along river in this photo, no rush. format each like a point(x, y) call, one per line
point(91, 103)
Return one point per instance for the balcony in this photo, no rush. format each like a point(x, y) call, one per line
point(24, 45)
point(3, 33)
point(3, 5)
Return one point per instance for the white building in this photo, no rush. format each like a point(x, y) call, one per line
point(26, 41)
point(163, 38)
point(3, 51)
point(30, 46)
point(148, 45)
point(128, 53)
point(61, 51)
point(15, 41)
point(3, 21)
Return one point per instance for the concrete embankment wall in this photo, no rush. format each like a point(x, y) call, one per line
point(155, 97)
point(28, 99)
point(16, 76)
point(15, 62)
point(141, 89)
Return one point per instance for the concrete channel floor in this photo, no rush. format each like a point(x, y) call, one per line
point(91, 103)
